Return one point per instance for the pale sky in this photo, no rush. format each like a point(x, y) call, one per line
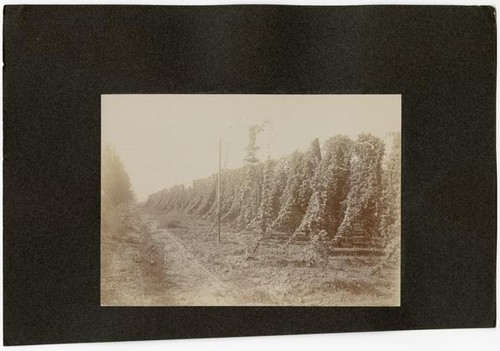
point(165, 140)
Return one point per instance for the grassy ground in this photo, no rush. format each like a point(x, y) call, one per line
point(132, 267)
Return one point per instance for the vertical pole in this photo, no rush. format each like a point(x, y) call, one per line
point(219, 191)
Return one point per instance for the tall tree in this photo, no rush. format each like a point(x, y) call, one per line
point(278, 185)
point(252, 148)
point(330, 186)
point(365, 188)
point(308, 169)
point(265, 210)
point(289, 215)
point(298, 190)
point(250, 194)
point(391, 213)
point(115, 183)
point(233, 201)
point(116, 194)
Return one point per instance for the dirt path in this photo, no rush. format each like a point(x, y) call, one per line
point(169, 260)
point(189, 282)
point(203, 271)
point(154, 268)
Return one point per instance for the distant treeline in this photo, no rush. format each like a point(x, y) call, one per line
point(116, 194)
point(330, 191)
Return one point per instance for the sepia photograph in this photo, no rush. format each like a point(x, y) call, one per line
point(250, 176)
point(250, 200)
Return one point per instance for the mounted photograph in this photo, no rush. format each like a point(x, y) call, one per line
point(250, 200)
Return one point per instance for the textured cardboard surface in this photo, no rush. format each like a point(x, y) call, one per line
point(58, 60)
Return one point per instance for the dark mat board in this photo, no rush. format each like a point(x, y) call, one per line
point(58, 60)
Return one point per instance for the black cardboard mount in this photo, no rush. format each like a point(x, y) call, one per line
point(58, 60)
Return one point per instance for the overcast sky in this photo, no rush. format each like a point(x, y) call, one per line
point(165, 140)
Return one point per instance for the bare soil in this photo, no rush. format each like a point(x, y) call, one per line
point(172, 259)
